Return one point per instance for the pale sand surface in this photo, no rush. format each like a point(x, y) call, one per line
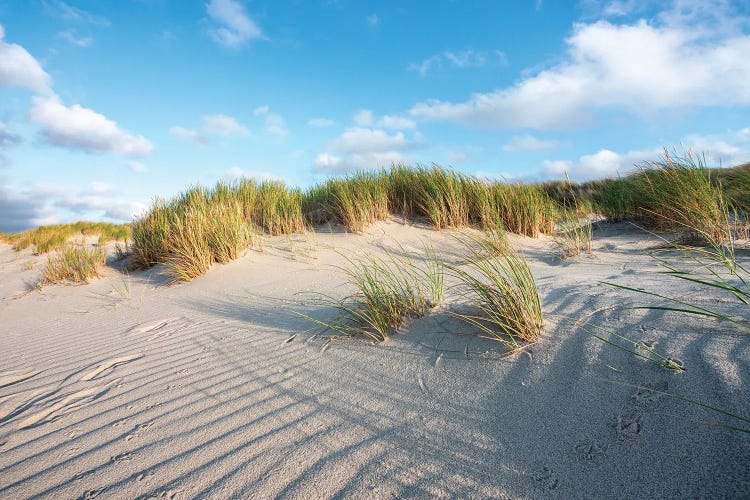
point(196, 390)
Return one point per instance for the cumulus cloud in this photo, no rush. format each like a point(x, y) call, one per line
point(365, 118)
point(728, 149)
point(20, 210)
point(321, 122)
point(359, 139)
point(642, 67)
point(364, 148)
point(233, 26)
point(18, 68)
point(528, 144)
point(76, 127)
point(458, 59)
point(188, 135)
point(223, 125)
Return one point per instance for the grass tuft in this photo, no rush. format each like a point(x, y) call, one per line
point(503, 291)
point(74, 265)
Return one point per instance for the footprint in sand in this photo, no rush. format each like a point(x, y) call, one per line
point(67, 404)
point(13, 377)
point(108, 365)
point(150, 327)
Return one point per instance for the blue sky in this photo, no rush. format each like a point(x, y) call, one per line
point(106, 105)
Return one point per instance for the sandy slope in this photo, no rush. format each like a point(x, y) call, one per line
point(196, 390)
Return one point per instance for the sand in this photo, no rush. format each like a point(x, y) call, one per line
point(130, 388)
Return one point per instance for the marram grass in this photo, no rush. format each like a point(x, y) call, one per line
point(46, 239)
point(74, 265)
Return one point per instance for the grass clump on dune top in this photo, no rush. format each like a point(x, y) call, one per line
point(74, 265)
point(46, 239)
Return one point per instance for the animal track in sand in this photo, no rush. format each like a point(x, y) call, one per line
point(107, 365)
point(68, 403)
point(87, 495)
point(588, 451)
point(13, 377)
point(138, 430)
point(544, 478)
point(122, 457)
point(628, 423)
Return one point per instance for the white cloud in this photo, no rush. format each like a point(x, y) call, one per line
point(8, 139)
point(18, 68)
point(645, 67)
point(76, 127)
point(234, 25)
point(528, 143)
point(236, 173)
point(321, 122)
point(728, 149)
point(458, 59)
point(364, 148)
point(327, 162)
point(22, 209)
point(359, 139)
point(373, 20)
point(365, 118)
point(604, 163)
point(223, 125)
point(137, 166)
point(80, 41)
point(188, 135)
point(274, 122)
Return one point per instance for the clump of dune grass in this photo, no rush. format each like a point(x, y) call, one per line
point(520, 208)
point(574, 235)
point(389, 290)
point(502, 290)
point(676, 192)
point(45, 239)
point(354, 201)
point(74, 265)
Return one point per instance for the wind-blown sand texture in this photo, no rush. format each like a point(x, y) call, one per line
point(131, 388)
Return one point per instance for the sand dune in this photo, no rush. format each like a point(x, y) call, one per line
point(220, 388)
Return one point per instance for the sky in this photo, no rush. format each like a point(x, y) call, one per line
point(105, 106)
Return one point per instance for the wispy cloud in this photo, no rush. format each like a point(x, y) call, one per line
point(528, 144)
point(233, 26)
point(321, 122)
point(224, 125)
point(366, 118)
point(372, 20)
point(274, 122)
point(74, 14)
point(458, 59)
point(188, 135)
point(80, 41)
